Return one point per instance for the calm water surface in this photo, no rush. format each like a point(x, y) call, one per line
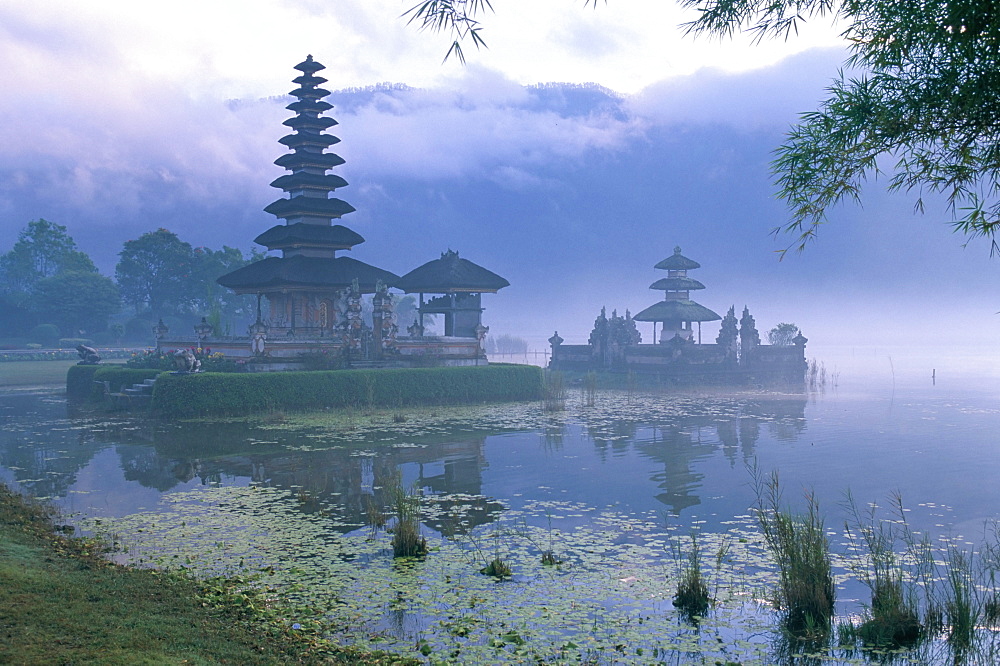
point(626, 476)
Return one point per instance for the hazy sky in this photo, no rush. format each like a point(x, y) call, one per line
point(121, 117)
point(229, 48)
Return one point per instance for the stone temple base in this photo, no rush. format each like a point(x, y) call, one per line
point(281, 354)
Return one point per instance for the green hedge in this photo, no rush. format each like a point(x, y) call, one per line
point(80, 380)
point(249, 393)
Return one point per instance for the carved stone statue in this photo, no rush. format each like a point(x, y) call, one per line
point(88, 355)
point(481, 332)
point(186, 361)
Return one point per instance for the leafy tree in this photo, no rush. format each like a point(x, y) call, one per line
point(455, 16)
point(154, 273)
point(405, 309)
point(78, 301)
point(728, 331)
point(749, 337)
point(212, 299)
point(782, 334)
point(924, 109)
point(510, 344)
point(42, 250)
point(929, 99)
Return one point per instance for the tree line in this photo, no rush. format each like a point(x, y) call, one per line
point(50, 289)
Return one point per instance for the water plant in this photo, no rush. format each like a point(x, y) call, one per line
point(555, 392)
point(893, 617)
point(497, 568)
point(590, 389)
point(816, 376)
point(692, 597)
point(961, 604)
point(799, 546)
point(375, 517)
point(407, 541)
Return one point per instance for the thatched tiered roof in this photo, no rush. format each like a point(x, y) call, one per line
point(451, 274)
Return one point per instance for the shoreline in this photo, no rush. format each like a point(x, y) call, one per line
point(63, 601)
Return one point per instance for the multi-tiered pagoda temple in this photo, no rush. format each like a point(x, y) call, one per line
point(315, 296)
point(736, 358)
point(677, 311)
point(308, 288)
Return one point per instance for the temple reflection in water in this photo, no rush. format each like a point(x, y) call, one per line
point(468, 473)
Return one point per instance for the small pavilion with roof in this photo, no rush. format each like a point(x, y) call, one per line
point(461, 284)
point(677, 311)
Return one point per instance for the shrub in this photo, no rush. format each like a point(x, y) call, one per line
point(45, 334)
point(71, 343)
point(250, 393)
point(164, 360)
point(321, 359)
point(151, 359)
point(80, 381)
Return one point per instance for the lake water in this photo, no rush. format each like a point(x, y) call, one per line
point(613, 489)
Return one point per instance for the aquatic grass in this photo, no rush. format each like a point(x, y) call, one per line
point(893, 616)
point(548, 607)
point(375, 517)
point(799, 546)
point(610, 581)
point(816, 375)
point(407, 541)
point(555, 391)
point(497, 568)
point(692, 596)
point(590, 389)
point(605, 604)
point(961, 604)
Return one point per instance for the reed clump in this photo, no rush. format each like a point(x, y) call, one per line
point(893, 617)
point(692, 597)
point(961, 603)
point(816, 375)
point(407, 541)
point(497, 568)
point(555, 392)
point(590, 389)
point(799, 546)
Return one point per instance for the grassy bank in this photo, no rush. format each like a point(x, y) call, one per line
point(24, 374)
point(61, 602)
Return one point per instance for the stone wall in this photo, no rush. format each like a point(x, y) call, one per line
point(690, 363)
